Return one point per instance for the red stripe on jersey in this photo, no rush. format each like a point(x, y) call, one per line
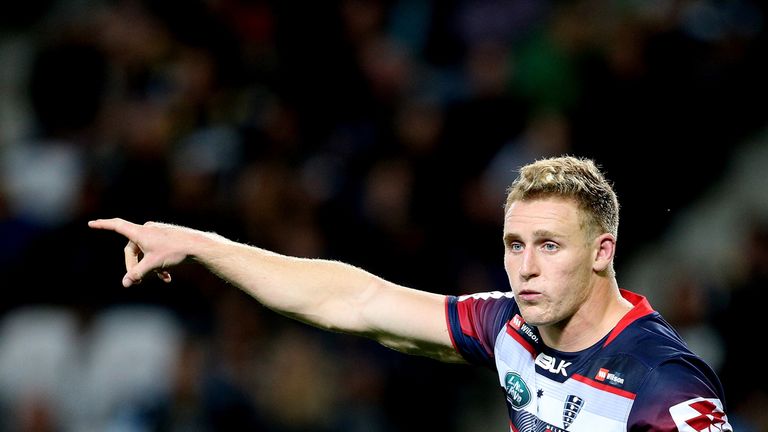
point(641, 309)
point(603, 387)
point(512, 427)
point(521, 340)
point(464, 317)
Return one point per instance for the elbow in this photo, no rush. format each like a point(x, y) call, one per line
point(355, 311)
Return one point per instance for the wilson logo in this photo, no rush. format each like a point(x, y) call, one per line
point(614, 378)
point(518, 323)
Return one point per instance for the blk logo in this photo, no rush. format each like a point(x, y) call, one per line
point(551, 364)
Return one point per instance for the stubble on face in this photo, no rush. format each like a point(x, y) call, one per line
point(554, 281)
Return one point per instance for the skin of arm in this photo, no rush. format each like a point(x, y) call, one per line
point(327, 294)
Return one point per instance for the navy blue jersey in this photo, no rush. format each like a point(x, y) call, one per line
point(639, 377)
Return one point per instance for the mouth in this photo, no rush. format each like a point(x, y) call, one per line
point(528, 295)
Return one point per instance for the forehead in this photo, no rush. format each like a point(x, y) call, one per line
point(560, 215)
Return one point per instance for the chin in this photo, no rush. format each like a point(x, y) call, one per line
point(533, 318)
point(536, 322)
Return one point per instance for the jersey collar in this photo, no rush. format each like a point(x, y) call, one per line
point(641, 308)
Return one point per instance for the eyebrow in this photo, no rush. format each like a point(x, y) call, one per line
point(545, 233)
point(538, 234)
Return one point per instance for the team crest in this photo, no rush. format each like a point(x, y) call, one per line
point(518, 394)
point(571, 409)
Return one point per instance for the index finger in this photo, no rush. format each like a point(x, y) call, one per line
point(120, 226)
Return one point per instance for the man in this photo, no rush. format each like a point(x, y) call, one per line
point(572, 351)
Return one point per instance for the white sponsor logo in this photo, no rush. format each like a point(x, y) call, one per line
point(612, 377)
point(700, 415)
point(550, 363)
point(604, 374)
point(518, 323)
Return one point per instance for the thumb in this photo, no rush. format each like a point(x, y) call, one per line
point(135, 274)
point(128, 280)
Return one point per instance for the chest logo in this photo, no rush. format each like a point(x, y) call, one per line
point(519, 324)
point(550, 363)
point(571, 409)
point(605, 375)
point(518, 394)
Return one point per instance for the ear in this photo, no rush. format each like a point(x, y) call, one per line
point(605, 249)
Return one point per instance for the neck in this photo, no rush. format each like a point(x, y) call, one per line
point(598, 314)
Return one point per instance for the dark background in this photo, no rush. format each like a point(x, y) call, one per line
point(380, 133)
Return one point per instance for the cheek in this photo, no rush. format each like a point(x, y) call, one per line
point(576, 278)
point(567, 277)
point(574, 264)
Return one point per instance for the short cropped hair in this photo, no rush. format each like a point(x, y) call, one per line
point(569, 177)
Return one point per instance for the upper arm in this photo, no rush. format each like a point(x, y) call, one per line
point(404, 319)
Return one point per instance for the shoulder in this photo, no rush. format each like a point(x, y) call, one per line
point(680, 394)
point(646, 350)
point(489, 308)
point(679, 390)
point(673, 389)
point(496, 303)
point(651, 341)
point(475, 320)
point(665, 358)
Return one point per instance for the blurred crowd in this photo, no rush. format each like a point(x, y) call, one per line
point(382, 133)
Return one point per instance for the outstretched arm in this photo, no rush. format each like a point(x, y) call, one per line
point(327, 294)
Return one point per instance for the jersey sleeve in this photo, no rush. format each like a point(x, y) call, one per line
point(682, 395)
point(475, 320)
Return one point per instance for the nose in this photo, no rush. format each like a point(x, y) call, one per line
point(528, 266)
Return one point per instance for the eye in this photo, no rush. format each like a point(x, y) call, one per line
point(550, 247)
point(516, 247)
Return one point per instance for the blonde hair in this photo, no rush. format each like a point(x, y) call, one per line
point(570, 177)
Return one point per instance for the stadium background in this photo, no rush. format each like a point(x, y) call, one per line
point(381, 133)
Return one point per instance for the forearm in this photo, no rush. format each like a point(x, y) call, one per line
point(323, 293)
